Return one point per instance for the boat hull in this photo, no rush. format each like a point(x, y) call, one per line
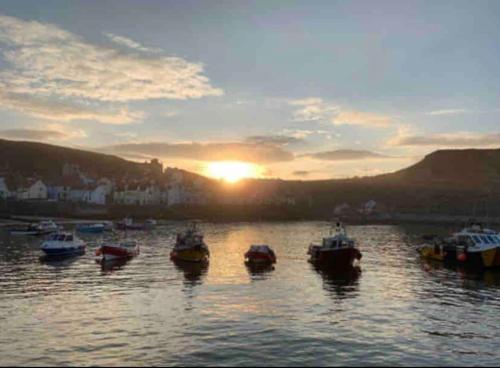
point(446, 254)
point(189, 255)
point(259, 258)
point(91, 230)
point(336, 259)
point(110, 253)
point(64, 252)
point(481, 259)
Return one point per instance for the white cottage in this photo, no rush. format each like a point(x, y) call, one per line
point(4, 190)
point(32, 189)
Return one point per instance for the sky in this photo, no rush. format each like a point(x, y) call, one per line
point(296, 89)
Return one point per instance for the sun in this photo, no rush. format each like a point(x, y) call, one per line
point(232, 171)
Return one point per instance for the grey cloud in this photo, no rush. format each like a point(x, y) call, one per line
point(32, 134)
point(345, 155)
point(249, 152)
point(459, 139)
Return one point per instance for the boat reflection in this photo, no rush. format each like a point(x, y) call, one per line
point(468, 275)
point(113, 265)
point(194, 272)
point(259, 271)
point(340, 283)
point(59, 261)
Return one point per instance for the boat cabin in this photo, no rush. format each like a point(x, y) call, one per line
point(61, 237)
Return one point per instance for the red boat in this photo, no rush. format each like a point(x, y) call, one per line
point(336, 251)
point(118, 251)
point(261, 254)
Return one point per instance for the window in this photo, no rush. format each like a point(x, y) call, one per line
point(476, 239)
point(485, 239)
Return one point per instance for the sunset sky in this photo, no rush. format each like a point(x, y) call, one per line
point(298, 89)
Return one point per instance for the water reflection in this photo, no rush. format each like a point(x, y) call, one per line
point(59, 262)
point(194, 272)
point(340, 283)
point(113, 265)
point(259, 271)
point(470, 277)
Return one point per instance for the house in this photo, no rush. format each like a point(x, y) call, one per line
point(138, 194)
point(369, 207)
point(97, 195)
point(4, 190)
point(32, 189)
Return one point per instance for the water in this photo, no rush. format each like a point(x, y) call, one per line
point(397, 311)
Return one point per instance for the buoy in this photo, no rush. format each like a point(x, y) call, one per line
point(462, 257)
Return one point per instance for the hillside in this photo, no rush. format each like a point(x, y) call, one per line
point(45, 161)
point(469, 168)
point(448, 181)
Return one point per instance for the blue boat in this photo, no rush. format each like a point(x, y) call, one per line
point(91, 228)
point(63, 245)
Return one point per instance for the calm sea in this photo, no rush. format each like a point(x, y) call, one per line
point(397, 311)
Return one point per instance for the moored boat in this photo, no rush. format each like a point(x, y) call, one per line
point(129, 224)
point(473, 246)
point(63, 244)
point(91, 228)
point(336, 251)
point(261, 254)
point(35, 229)
point(190, 246)
point(127, 249)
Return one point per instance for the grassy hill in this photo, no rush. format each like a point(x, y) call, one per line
point(447, 181)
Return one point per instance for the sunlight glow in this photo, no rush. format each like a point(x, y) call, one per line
point(233, 171)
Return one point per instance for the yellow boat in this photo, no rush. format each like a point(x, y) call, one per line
point(434, 252)
point(190, 247)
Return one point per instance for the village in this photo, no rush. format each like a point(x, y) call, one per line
point(156, 187)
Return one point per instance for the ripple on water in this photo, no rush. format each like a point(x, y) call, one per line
point(395, 310)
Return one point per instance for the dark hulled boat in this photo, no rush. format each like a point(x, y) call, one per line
point(336, 251)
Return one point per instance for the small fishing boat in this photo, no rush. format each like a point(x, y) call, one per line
point(62, 244)
point(129, 224)
point(474, 246)
point(126, 249)
point(190, 246)
point(35, 229)
point(91, 228)
point(337, 251)
point(108, 225)
point(261, 254)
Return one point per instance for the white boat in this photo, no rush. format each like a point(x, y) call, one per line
point(36, 229)
point(477, 246)
point(63, 244)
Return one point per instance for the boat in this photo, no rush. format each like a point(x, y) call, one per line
point(437, 249)
point(126, 249)
point(108, 225)
point(478, 246)
point(261, 254)
point(474, 246)
point(336, 251)
point(190, 246)
point(35, 229)
point(62, 244)
point(129, 224)
point(91, 228)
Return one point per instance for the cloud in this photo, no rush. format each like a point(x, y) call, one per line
point(49, 61)
point(312, 109)
point(127, 42)
point(232, 151)
point(301, 173)
point(32, 134)
point(52, 132)
point(362, 118)
point(448, 112)
point(275, 140)
point(316, 109)
point(457, 139)
point(65, 111)
point(345, 155)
